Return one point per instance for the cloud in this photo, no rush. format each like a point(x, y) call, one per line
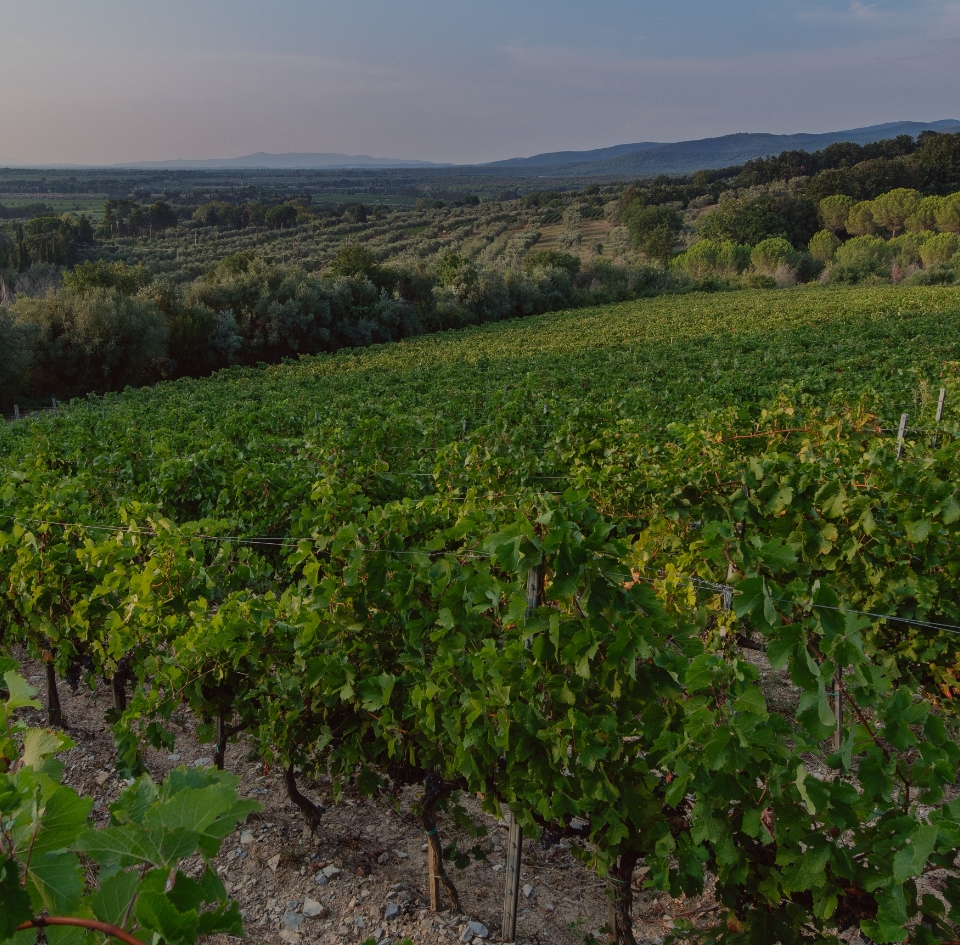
point(905, 17)
point(458, 103)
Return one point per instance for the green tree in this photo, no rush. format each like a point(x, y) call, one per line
point(708, 258)
point(893, 209)
point(823, 245)
point(939, 249)
point(127, 280)
point(355, 213)
point(50, 239)
point(654, 229)
point(282, 216)
point(456, 273)
point(948, 214)
point(162, 216)
point(353, 259)
point(860, 221)
point(861, 257)
point(771, 254)
point(924, 217)
point(835, 210)
point(742, 222)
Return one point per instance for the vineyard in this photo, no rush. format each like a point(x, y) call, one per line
point(549, 563)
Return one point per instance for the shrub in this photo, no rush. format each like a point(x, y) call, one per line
point(127, 280)
point(98, 341)
point(552, 259)
point(773, 254)
point(905, 249)
point(16, 343)
point(938, 274)
point(757, 280)
point(861, 258)
point(709, 258)
point(939, 248)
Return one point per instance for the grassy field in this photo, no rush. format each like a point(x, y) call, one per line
point(91, 206)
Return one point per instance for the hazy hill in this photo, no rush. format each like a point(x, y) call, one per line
point(648, 159)
point(561, 158)
point(263, 160)
point(641, 159)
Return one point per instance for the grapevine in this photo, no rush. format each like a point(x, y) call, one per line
point(325, 557)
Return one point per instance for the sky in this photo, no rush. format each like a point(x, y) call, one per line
point(110, 81)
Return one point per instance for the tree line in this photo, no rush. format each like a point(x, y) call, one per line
point(900, 235)
point(112, 325)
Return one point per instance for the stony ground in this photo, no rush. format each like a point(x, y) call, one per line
point(364, 876)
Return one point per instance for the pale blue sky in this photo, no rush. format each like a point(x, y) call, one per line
point(102, 81)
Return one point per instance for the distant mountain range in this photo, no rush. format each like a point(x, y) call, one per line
point(647, 159)
point(642, 159)
point(290, 161)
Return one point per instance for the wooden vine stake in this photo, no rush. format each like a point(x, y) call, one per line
point(838, 709)
point(901, 433)
point(511, 891)
point(940, 403)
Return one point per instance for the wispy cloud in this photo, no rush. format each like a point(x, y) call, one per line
point(860, 63)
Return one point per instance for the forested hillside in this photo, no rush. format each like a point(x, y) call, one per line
point(184, 273)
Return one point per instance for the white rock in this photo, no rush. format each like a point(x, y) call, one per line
point(202, 762)
point(473, 931)
point(331, 871)
point(174, 757)
point(274, 862)
point(312, 909)
point(527, 890)
point(246, 838)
